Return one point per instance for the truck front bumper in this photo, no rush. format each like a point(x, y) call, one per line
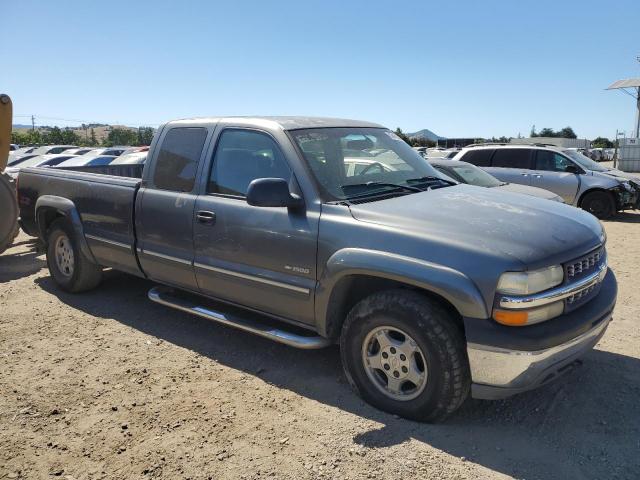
point(505, 360)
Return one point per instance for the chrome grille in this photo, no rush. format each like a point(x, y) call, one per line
point(580, 268)
point(584, 265)
point(582, 294)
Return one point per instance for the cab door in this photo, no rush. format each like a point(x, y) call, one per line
point(258, 257)
point(165, 205)
point(551, 174)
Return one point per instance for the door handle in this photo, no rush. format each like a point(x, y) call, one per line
point(538, 175)
point(206, 217)
point(524, 174)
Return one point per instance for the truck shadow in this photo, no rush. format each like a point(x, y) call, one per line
point(21, 263)
point(586, 426)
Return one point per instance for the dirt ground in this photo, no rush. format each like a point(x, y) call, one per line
point(107, 384)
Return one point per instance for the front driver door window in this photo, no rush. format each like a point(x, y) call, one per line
point(260, 257)
point(551, 174)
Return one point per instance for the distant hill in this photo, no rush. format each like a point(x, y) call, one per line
point(101, 131)
point(426, 134)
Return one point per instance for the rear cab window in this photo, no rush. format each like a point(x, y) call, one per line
point(512, 158)
point(177, 162)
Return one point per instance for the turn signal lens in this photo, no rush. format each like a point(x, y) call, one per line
point(518, 318)
point(511, 317)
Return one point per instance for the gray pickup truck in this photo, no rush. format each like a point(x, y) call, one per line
point(316, 231)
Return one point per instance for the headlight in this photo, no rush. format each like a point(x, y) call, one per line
point(525, 283)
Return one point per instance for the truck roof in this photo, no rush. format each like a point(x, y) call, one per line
point(284, 122)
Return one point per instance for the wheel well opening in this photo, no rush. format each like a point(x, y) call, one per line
point(352, 289)
point(593, 190)
point(45, 219)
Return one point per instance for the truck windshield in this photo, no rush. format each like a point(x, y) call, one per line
point(352, 162)
point(584, 162)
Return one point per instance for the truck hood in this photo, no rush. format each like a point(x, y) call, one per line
point(532, 230)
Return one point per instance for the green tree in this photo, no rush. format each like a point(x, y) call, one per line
point(567, 132)
point(547, 132)
point(121, 136)
point(69, 137)
point(93, 141)
point(53, 136)
point(145, 135)
point(602, 142)
point(403, 135)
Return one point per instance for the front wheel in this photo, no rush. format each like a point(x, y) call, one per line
point(404, 354)
point(600, 204)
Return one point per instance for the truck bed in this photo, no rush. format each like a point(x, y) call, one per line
point(104, 204)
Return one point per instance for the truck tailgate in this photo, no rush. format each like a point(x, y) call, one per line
point(105, 205)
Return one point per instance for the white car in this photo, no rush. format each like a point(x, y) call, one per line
point(47, 160)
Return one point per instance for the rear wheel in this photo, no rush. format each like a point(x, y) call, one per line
point(404, 354)
point(600, 204)
point(71, 269)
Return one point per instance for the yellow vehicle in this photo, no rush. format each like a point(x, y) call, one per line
point(8, 200)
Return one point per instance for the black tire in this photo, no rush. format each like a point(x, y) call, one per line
point(83, 274)
point(600, 204)
point(434, 331)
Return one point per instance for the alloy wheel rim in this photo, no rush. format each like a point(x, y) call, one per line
point(64, 256)
point(394, 363)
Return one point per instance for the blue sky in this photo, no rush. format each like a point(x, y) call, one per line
point(458, 68)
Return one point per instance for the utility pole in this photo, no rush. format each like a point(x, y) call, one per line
point(33, 123)
point(637, 129)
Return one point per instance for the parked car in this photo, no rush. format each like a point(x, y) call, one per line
point(114, 151)
point(51, 149)
point(87, 161)
point(577, 179)
point(467, 173)
point(48, 160)
point(22, 151)
point(13, 147)
point(13, 161)
point(135, 149)
point(449, 153)
point(596, 154)
point(132, 158)
point(79, 151)
point(432, 289)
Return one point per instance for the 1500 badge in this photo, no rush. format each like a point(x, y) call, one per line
point(304, 270)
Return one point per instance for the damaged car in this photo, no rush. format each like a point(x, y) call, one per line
point(580, 181)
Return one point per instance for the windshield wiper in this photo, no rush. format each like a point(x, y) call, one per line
point(429, 177)
point(380, 184)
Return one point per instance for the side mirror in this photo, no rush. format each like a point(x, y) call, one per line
point(272, 192)
point(572, 169)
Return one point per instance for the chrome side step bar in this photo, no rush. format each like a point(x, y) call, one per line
point(168, 297)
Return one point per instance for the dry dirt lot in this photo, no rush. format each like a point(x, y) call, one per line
point(109, 385)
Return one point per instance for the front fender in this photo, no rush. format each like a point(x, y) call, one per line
point(452, 285)
point(66, 208)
